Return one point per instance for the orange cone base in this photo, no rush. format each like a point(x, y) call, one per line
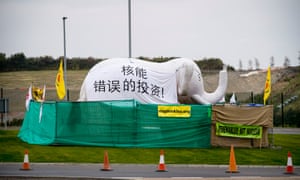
point(161, 171)
point(106, 169)
point(25, 167)
point(232, 171)
point(289, 170)
point(161, 168)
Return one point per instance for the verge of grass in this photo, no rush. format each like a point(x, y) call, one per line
point(12, 150)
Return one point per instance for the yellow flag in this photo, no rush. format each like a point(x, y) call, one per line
point(267, 91)
point(60, 83)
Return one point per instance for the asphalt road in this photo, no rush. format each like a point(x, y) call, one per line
point(134, 171)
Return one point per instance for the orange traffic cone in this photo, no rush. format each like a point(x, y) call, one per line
point(232, 164)
point(106, 166)
point(26, 165)
point(161, 166)
point(289, 166)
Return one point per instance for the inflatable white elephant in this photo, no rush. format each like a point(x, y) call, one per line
point(149, 82)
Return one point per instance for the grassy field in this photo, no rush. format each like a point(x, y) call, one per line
point(12, 150)
point(22, 79)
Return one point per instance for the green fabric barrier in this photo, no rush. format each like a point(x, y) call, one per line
point(39, 131)
point(114, 123)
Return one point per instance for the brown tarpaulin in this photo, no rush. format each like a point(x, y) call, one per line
point(245, 115)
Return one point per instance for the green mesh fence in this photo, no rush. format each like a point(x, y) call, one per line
point(115, 124)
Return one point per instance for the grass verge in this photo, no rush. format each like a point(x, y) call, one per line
point(12, 150)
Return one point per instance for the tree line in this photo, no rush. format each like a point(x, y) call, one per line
point(19, 62)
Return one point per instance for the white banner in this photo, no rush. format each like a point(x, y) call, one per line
point(130, 79)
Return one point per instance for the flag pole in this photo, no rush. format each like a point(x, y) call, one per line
point(65, 59)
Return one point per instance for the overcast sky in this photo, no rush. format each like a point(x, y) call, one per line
point(231, 30)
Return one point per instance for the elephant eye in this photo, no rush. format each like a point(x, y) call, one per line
point(199, 77)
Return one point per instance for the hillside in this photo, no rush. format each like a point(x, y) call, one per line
point(254, 81)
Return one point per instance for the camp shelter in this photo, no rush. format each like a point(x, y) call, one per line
point(241, 126)
point(125, 123)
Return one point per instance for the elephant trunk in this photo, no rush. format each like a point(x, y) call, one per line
point(214, 97)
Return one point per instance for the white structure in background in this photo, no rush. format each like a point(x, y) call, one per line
point(149, 82)
point(232, 99)
point(249, 74)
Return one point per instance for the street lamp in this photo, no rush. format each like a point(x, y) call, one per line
point(65, 60)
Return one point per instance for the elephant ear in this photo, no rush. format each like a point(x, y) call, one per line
point(184, 76)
